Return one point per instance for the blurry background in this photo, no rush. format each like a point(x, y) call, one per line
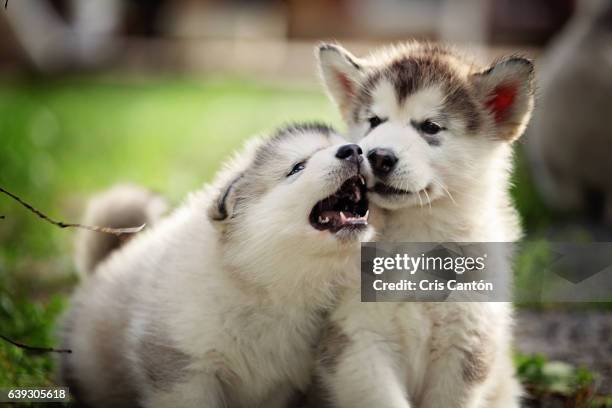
point(264, 37)
point(158, 92)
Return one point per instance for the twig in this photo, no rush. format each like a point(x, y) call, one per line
point(34, 349)
point(5, 4)
point(107, 230)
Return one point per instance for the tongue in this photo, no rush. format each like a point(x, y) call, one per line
point(356, 194)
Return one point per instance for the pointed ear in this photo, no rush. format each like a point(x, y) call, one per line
point(222, 207)
point(506, 90)
point(341, 73)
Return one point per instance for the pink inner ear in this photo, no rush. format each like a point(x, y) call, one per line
point(346, 83)
point(501, 101)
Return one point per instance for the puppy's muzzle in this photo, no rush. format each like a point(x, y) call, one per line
point(383, 161)
point(347, 208)
point(350, 152)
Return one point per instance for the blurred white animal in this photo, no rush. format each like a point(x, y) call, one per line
point(568, 141)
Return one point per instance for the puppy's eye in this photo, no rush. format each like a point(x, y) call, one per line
point(297, 168)
point(429, 127)
point(375, 121)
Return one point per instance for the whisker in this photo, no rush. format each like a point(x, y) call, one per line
point(448, 193)
point(472, 196)
point(428, 199)
point(420, 199)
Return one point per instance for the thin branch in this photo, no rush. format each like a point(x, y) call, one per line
point(34, 349)
point(107, 230)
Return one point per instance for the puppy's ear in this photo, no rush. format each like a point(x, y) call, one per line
point(222, 207)
point(506, 90)
point(341, 73)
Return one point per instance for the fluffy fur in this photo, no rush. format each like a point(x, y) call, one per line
point(447, 182)
point(122, 206)
point(220, 304)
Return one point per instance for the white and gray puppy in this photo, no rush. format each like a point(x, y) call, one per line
point(437, 129)
point(221, 303)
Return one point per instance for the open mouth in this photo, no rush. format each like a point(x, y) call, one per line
point(386, 190)
point(346, 208)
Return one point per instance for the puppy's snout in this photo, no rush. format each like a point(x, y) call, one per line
point(350, 152)
point(382, 161)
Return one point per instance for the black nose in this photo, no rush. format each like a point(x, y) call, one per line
point(351, 152)
point(382, 161)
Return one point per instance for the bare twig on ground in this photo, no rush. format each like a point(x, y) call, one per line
point(34, 349)
point(106, 230)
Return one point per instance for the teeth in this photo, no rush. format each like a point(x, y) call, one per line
point(362, 179)
point(343, 218)
point(367, 214)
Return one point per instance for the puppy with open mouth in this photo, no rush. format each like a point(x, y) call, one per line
point(437, 129)
point(221, 303)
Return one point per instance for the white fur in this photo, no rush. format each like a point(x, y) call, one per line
point(240, 299)
point(401, 355)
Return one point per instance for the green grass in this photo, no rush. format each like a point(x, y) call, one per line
point(557, 384)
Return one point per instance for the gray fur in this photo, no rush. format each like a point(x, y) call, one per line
point(415, 66)
point(261, 175)
point(163, 363)
point(123, 206)
point(332, 346)
point(569, 138)
point(477, 365)
point(109, 336)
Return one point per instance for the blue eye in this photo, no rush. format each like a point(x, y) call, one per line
point(297, 168)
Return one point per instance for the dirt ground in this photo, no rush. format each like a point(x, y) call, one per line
point(583, 338)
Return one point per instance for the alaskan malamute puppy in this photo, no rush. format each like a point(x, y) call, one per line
point(221, 303)
point(437, 129)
